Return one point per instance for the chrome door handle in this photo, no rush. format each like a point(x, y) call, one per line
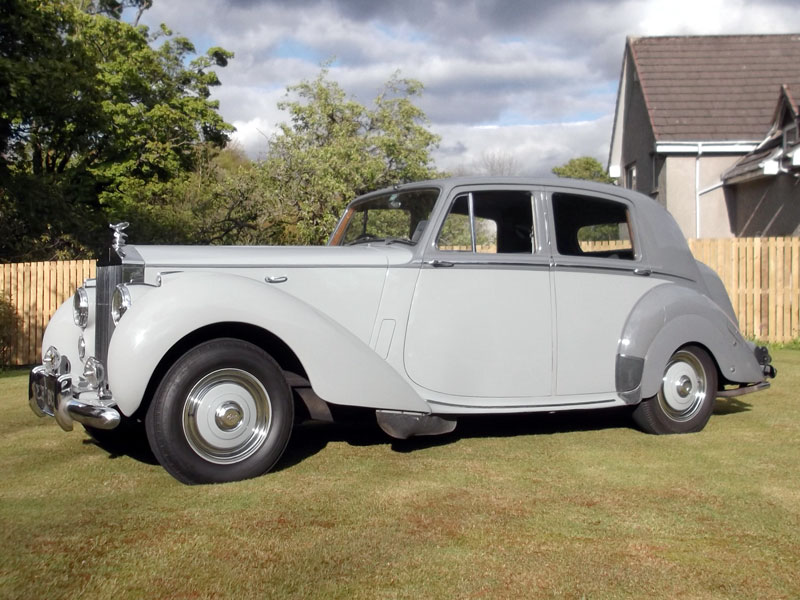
point(439, 263)
point(643, 272)
point(276, 279)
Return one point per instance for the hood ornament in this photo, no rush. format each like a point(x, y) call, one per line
point(119, 238)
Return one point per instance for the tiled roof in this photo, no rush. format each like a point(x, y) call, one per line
point(714, 88)
point(775, 147)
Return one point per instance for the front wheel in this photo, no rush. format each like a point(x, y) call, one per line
point(223, 412)
point(685, 400)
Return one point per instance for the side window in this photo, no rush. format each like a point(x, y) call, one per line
point(588, 226)
point(489, 222)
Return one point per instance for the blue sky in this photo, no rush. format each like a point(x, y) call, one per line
point(534, 81)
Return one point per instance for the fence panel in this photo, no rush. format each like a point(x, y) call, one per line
point(36, 290)
point(762, 276)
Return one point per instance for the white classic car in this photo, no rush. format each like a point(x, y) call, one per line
point(431, 301)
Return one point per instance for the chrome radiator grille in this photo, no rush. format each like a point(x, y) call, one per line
point(108, 277)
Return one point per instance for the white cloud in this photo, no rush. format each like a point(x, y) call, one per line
point(712, 17)
point(544, 73)
point(253, 136)
point(534, 148)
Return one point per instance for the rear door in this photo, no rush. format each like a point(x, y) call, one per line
point(599, 275)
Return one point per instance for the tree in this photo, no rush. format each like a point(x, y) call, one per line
point(492, 163)
point(225, 199)
point(334, 148)
point(584, 167)
point(99, 120)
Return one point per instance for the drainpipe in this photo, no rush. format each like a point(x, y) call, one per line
point(697, 190)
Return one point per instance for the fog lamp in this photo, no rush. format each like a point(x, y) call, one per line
point(94, 373)
point(51, 360)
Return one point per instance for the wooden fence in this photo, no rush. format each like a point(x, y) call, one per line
point(36, 290)
point(760, 274)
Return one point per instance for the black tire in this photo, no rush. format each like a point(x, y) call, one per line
point(685, 400)
point(223, 412)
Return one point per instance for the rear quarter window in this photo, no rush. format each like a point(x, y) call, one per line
point(594, 227)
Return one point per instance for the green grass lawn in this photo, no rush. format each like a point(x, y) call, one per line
point(569, 505)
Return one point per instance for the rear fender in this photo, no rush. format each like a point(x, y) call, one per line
point(670, 316)
point(342, 369)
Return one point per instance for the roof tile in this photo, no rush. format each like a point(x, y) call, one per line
point(715, 87)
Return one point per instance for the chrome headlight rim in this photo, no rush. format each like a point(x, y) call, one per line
point(80, 308)
point(120, 302)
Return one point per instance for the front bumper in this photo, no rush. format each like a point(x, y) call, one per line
point(51, 395)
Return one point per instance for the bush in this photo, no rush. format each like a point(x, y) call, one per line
point(9, 325)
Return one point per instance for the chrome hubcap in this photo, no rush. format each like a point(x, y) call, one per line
point(683, 388)
point(227, 416)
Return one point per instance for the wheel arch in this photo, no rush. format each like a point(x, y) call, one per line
point(246, 332)
point(668, 318)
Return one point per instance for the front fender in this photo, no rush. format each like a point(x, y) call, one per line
point(670, 316)
point(341, 368)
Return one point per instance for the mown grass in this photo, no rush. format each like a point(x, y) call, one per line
point(562, 505)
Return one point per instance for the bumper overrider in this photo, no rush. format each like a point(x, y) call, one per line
point(53, 393)
point(764, 359)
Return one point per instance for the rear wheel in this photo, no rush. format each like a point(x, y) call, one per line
point(223, 412)
point(685, 400)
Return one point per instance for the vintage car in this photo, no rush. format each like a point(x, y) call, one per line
point(432, 300)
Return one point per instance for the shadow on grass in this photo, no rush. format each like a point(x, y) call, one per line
point(730, 406)
point(362, 430)
point(359, 428)
point(126, 440)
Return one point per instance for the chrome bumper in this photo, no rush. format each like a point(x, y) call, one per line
point(52, 395)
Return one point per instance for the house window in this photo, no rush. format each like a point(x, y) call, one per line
point(630, 176)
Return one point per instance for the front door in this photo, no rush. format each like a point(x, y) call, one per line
point(480, 328)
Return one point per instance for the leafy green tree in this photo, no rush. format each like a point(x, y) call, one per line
point(9, 326)
point(334, 148)
point(225, 200)
point(584, 167)
point(99, 120)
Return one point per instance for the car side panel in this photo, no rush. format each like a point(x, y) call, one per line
point(341, 368)
point(592, 306)
point(481, 332)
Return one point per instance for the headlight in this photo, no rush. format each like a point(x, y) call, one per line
point(120, 302)
point(80, 308)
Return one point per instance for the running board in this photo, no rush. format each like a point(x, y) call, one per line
point(742, 390)
point(402, 425)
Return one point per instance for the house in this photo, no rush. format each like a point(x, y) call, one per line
point(690, 111)
point(763, 187)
